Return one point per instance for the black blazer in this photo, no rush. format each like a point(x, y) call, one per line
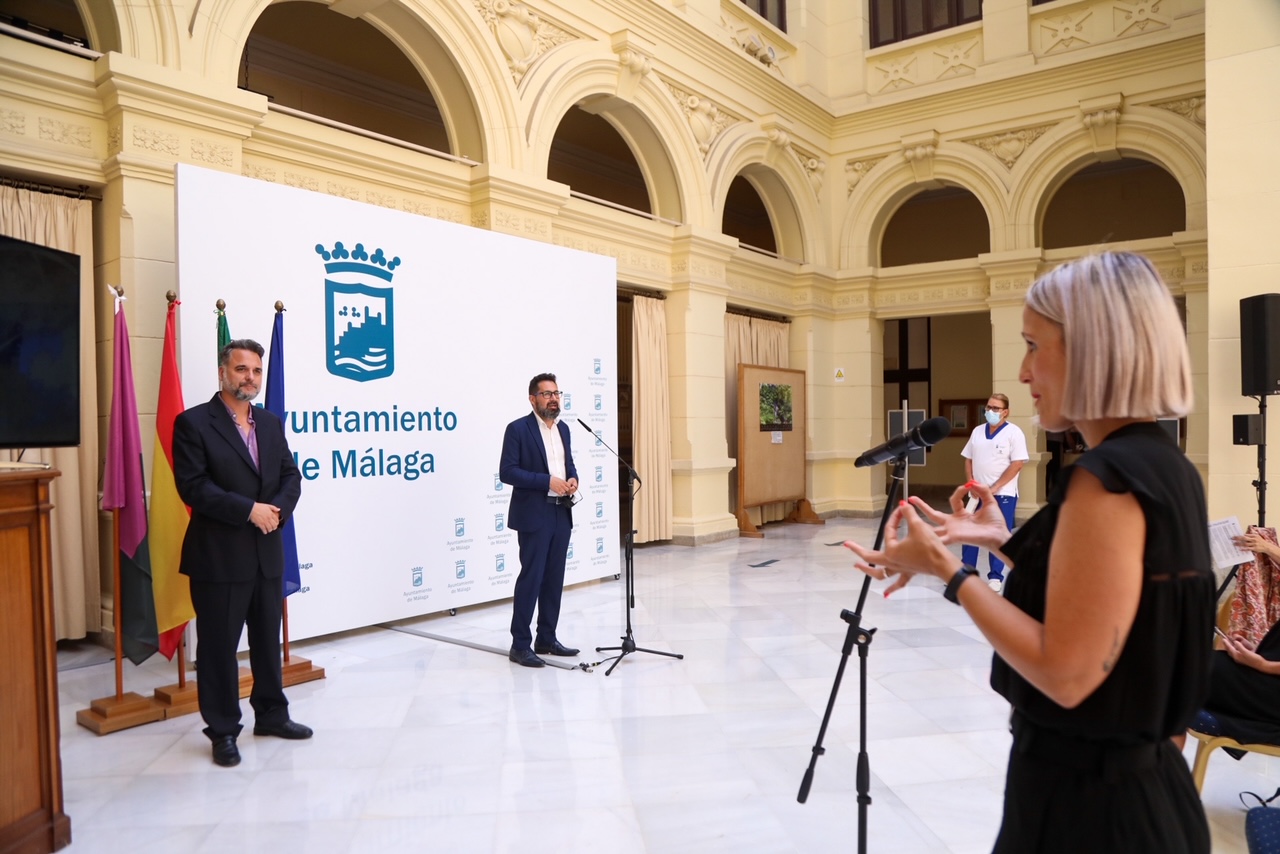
point(215, 477)
point(524, 466)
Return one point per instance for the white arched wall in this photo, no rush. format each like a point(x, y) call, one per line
point(452, 49)
point(883, 195)
point(1173, 143)
point(781, 182)
point(650, 121)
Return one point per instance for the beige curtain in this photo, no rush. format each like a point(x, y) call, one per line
point(751, 341)
point(651, 419)
point(67, 224)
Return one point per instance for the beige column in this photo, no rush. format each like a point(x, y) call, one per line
point(1194, 247)
point(1010, 275)
point(512, 202)
point(695, 340)
point(1242, 76)
point(855, 415)
point(156, 118)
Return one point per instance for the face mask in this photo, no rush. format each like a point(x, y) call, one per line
point(993, 418)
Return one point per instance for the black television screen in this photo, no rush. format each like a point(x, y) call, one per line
point(39, 346)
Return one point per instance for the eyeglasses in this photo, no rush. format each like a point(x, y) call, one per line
point(993, 408)
point(547, 395)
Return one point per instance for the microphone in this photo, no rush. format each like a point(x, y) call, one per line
point(929, 433)
point(587, 427)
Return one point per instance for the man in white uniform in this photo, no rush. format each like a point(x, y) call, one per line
point(993, 456)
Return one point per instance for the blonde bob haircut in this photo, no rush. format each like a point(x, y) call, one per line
point(1124, 344)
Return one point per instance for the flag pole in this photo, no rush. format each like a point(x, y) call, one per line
point(284, 607)
point(116, 618)
point(122, 711)
point(181, 657)
point(294, 670)
point(181, 697)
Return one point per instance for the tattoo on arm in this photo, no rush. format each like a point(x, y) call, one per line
point(1110, 661)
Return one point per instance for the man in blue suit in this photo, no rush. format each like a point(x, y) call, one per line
point(537, 461)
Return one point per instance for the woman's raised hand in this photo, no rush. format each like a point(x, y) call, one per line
point(983, 527)
point(918, 551)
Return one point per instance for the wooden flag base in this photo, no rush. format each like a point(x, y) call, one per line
point(177, 699)
point(297, 670)
point(112, 714)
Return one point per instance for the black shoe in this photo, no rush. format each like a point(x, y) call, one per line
point(556, 648)
point(225, 752)
point(288, 729)
point(525, 657)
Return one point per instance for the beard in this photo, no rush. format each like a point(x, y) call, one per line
point(245, 391)
point(548, 411)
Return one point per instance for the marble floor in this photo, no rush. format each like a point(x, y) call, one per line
point(423, 745)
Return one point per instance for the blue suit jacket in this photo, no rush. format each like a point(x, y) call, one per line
point(524, 466)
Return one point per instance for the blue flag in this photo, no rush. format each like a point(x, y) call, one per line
point(274, 394)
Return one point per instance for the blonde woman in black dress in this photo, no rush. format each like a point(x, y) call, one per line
point(1103, 637)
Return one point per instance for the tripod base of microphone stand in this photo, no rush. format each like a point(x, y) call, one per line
point(628, 647)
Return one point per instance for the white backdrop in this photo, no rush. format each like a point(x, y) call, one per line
point(408, 349)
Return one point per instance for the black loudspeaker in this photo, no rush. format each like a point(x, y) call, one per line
point(1260, 345)
point(1246, 429)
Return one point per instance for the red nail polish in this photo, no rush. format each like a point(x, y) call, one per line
point(902, 503)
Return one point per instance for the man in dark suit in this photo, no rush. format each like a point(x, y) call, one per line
point(537, 461)
point(234, 470)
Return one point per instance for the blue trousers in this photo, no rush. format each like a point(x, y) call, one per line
point(541, 580)
point(969, 554)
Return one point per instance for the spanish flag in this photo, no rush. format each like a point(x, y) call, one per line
point(169, 516)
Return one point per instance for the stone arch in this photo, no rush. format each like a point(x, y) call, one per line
point(897, 181)
point(642, 111)
point(1143, 132)
point(102, 24)
point(450, 48)
point(783, 184)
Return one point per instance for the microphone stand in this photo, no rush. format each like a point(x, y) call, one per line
point(628, 563)
point(861, 637)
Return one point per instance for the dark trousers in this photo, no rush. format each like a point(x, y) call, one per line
point(541, 579)
point(222, 610)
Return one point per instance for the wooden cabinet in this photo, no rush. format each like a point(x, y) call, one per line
point(31, 816)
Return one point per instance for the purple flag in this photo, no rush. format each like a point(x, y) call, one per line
point(123, 490)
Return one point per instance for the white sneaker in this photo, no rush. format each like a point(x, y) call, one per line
point(995, 584)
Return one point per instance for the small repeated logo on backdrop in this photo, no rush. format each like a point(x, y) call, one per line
point(599, 474)
point(599, 440)
point(359, 320)
point(500, 563)
point(499, 523)
point(460, 569)
point(596, 368)
point(460, 527)
point(569, 553)
point(599, 404)
point(599, 509)
point(497, 483)
point(417, 576)
point(568, 401)
point(599, 545)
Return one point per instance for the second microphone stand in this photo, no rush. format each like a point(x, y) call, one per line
point(861, 637)
point(628, 570)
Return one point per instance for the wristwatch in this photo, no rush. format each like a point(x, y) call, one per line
point(951, 594)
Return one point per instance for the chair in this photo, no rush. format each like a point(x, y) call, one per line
point(1209, 743)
